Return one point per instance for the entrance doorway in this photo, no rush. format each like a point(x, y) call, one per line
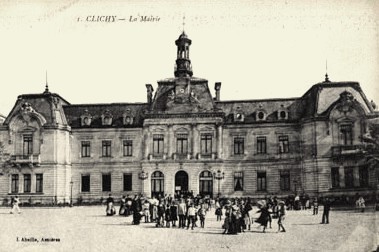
point(181, 182)
point(157, 184)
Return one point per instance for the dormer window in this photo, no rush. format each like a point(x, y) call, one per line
point(128, 117)
point(106, 118)
point(86, 118)
point(238, 115)
point(260, 115)
point(282, 113)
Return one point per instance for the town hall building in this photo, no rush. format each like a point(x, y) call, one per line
point(182, 139)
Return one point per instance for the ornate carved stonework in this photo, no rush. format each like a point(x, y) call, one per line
point(86, 118)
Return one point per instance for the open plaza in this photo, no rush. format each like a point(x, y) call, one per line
point(87, 228)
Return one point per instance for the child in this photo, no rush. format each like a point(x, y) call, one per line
point(315, 207)
point(201, 214)
point(218, 213)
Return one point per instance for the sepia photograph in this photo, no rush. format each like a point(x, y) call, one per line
point(189, 126)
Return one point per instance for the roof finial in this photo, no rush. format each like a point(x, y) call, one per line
point(47, 85)
point(184, 23)
point(326, 72)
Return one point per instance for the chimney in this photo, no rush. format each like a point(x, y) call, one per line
point(150, 90)
point(217, 88)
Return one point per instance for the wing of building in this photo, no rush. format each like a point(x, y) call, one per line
point(184, 140)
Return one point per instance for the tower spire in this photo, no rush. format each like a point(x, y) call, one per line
point(47, 85)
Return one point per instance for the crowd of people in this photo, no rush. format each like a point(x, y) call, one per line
point(189, 212)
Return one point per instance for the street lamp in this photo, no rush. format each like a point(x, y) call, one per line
point(142, 176)
point(71, 184)
point(219, 176)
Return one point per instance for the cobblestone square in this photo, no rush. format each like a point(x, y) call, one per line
point(88, 229)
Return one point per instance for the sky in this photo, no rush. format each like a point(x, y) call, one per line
point(256, 49)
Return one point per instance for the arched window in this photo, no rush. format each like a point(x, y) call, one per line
point(157, 184)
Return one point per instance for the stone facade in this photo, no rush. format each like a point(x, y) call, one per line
point(183, 139)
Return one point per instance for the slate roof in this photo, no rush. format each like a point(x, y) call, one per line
point(74, 113)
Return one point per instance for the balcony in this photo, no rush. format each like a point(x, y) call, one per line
point(31, 160)
point(347, 150)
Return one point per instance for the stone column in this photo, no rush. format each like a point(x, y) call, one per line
point(170, 138)
point(219, 141)
point(194, 141)
point(146, 142)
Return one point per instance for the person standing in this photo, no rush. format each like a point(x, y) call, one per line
point(201, 212)
point(315, 207)
point(182, 210)
point(174, 212)
point(325, 213)
point(191, 216)
point(16, 202)
point(136, 208)
point(281, 216)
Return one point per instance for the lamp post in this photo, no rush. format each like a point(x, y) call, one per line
point(142, 176)
point(71, 184)
point(219, 176)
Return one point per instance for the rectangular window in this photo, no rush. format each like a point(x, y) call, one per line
point(238, 181)
point(261, 181)
point(106, 148)
point(14, 185)
point(285, 181)
point(283, 144)
point(239, 145)
point(261, 145)
point(86, 183)
point(335, 175)
point(182, 144)
point(127, 182)
point(39, 183)
point(86, 148)
point(206, 144)
point(27, 145)
point(27, 183)
point(158, 144)
point(346, 131)
point(363, 176)
point(128, 148)
point(106, 183)
point(349, 177)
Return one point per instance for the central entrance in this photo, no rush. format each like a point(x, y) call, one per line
point(181, 182)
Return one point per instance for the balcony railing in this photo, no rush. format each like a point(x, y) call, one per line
point(34, 159)
point(342, 150)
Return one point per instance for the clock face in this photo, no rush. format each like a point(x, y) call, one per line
point(181, 91)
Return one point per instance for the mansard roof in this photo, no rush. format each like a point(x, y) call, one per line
point(270, 107)
point(117, 110)
point(44, 104)
point(321, 96)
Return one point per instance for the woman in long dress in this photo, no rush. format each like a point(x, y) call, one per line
point(264, 217)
